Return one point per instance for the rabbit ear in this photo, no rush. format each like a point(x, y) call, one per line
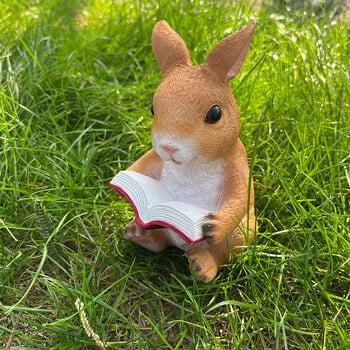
point(169, 48)
point(227, 57)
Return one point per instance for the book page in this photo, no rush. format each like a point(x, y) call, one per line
point(185, 217)
point(146, 190)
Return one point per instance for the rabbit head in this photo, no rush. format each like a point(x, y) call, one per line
point(196, 118)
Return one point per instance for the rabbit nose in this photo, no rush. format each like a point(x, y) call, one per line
point(168, 149)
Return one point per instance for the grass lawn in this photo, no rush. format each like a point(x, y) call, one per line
point(76, 86)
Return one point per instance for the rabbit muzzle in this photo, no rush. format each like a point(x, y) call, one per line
point(175, 148)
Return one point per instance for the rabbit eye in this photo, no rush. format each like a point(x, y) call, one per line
point(213, 115)
point(152, 110)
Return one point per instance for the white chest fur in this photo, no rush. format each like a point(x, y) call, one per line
point(200, 184)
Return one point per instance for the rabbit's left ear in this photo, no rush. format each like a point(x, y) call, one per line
point(227, 57)
point(169, 48)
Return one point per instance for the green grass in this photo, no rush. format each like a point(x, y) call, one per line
point(76, 85)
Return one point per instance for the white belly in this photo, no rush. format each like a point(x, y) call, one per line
point(200, 185)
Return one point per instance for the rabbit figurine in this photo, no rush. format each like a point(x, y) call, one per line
point(197, 154)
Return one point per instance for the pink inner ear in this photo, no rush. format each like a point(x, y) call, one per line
point(227, 57)
point(235, 69)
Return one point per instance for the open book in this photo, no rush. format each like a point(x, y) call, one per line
point(155, 207)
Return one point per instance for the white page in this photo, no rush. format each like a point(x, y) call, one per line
point(136, 183)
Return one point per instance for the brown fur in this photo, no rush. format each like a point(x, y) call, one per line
point(180, 104)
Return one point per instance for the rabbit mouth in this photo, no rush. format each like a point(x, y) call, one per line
point(175, 161)
point(176, 158)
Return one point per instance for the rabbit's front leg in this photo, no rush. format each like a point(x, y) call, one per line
point(222, 224)
point(219, 224)
point(228, 218)
point(149, 164)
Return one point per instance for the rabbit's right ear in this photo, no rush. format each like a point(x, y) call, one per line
point(169, 48)
point(227, 57)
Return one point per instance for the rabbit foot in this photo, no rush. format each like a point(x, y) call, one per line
point(203, 264)
point(153, 240)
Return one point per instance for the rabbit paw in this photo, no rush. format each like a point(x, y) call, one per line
point(213, 229)
point(203, 264)
point(152, 240)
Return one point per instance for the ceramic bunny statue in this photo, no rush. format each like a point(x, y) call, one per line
point(197, 154)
